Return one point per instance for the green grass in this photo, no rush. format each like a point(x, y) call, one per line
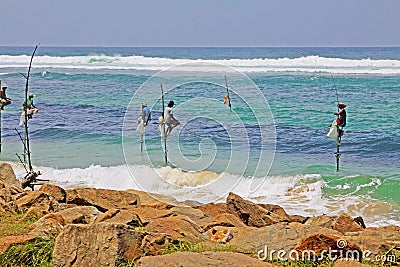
point(11, 224)
point(34, 253)
point(201, 247)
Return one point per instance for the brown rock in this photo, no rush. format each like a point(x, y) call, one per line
point(154, 200)
point(49, 224)
point(106, 215)
point(225, 219)
point(7, 175)
point(377, 240)
point(7, 203)
point(55, 191)
point(80, 214)
point(213, 210)
point(149, 213)
point(155, 243)
point(344, 223)
point(37, 199)
point(196, 215)
point(322, 221)
point(298, 218)
point(102, 199)
point(7, 241)
point(126, 217)
point(255, 215)
point(33, 212)
point(180, 228)
point(333, 245)
point(278, 236)
point(102, 244)
point(191, 259)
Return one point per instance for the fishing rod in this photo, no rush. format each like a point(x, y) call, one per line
point(163, 126)
point(23, 164)
point(337, 95)
point(23, 143)
point(30, 179)
point(227, 94)
point(28, 151)
point(339, 139)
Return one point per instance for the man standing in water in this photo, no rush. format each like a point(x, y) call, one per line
point(169, 119)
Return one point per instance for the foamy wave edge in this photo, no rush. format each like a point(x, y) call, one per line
point(300, 194)
point(308, 64)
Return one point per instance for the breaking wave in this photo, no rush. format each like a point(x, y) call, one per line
point(301, 194)
point(307, 64)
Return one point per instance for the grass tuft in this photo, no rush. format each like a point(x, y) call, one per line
point(34, 253)
point(11, 224)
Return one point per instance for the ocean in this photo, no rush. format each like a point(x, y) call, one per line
point(271, 148)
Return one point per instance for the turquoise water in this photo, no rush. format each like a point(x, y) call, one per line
point(84, 94)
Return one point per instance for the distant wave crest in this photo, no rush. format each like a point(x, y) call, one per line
point(308, 64)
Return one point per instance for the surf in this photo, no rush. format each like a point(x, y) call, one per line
point(304, 64)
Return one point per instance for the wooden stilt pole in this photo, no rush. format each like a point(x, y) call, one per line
point(142, 135)
point(227, 94)
point(338, 150)
point(163, 127)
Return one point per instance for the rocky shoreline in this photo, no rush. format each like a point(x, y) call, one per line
point(99, 227)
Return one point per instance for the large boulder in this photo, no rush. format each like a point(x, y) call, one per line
point(320, 244)
point(196, 215)
point(377, 240)
point(102, 199)
point(213, 210)
point(126, 217)
point(344, 224)
point(38, 199)
point(154, 200)
point(255, 215)
point(179, 228)
point(149, 213)
point(7, 201)
point(322, 221)
point(55, 191)
point(279, 236)
point(191, 259)
point(224, 219)
point(80, 214)
point(7, 175)
point(102, 244)
point(48, 225)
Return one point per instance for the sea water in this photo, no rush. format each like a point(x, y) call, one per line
point(271, 148)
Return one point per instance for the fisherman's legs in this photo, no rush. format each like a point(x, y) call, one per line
point(172, 125)
point(4, 102)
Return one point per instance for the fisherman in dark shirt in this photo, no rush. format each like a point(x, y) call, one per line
point(341, 113)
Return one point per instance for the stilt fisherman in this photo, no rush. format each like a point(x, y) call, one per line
point(341, 120)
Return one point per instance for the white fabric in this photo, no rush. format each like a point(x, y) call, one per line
point(140, 127)
point(168, 115)
point(333, 131)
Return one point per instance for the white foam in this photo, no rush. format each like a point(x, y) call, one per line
point(308, 64)
point(297, 194)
